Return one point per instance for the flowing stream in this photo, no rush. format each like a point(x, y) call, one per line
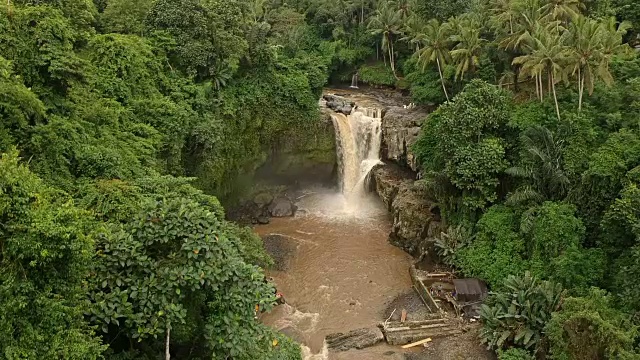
point(340, 270)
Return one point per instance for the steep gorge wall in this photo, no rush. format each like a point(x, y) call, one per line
point(400, 130)
point(416, 221)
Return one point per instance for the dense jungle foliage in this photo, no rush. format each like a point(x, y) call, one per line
point(124, 121)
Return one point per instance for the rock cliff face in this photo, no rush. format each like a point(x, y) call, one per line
point(303, 155)
point(415, 221)
point(400, 129)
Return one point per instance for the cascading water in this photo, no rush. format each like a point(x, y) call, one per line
point(358, 138)
point(354, 81)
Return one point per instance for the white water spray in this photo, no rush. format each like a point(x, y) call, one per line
point(358, 138)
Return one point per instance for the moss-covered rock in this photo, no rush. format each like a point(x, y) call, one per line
point(304, 154)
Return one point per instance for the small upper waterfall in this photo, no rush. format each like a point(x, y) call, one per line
point(354, 81)
point(358, 138)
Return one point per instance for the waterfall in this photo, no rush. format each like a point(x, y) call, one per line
point(358, 138)
point(354, 81)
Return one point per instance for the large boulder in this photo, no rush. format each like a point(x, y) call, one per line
point(355, 339)
point(339, 104)
point(282, 207)
point(400, 130)
point(416, 221)
point(263, 199)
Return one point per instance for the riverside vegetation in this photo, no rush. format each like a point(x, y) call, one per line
point(123, 122)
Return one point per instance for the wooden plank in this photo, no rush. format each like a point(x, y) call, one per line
point(424, 341)
point(403, 317)
point(423, 327)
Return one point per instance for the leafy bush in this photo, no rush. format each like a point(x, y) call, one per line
point(46, 255)
point(590, 328)
point(464, 143)
point(451, 241)
point(515, 354)
point(377, 74)
point(517, 315)
point(497, 250)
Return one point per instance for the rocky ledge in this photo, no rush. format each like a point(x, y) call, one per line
point(400, 130)
point(416, 221)
point(339, 104)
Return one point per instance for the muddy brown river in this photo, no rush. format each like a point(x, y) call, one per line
point(340, 272)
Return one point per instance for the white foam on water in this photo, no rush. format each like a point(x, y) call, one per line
point(307, 354)
point(358, 139)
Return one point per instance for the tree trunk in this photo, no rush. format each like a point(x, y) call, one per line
point(580, 89)
point(392, 57)
point(167, 355)
point(539, 79)
point(444, 88)
point(516, 74)
point(555, 98)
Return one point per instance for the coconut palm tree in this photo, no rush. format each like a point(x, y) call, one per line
point(386, 22)
point(584, 40)
point(547, 54)
point(257, 9)
point(591, 47)
point(612, 44)
point(413, 28)
point(562, 10)
point(466, 53)
point(435, 45)
point(513, 22)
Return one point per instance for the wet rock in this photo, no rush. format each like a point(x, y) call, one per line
point(355, 339)
point(282, 207)
point(339, 104)
point(400, 130)
point(263, 199)
point(415, 218)
point(281, 249)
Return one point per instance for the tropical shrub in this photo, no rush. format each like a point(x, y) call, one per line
point(517, 315)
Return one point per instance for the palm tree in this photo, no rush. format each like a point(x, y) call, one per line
point(612, 45)
point(413, 28)
point(386, 22)
point(514, 21)
point(544, 170)
point(504, 13)
point(257, 8)
point(591, 47)
point(466, 53)
point(435, 43)
point(562, 10)
point(546, 54)
point(584, 43)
